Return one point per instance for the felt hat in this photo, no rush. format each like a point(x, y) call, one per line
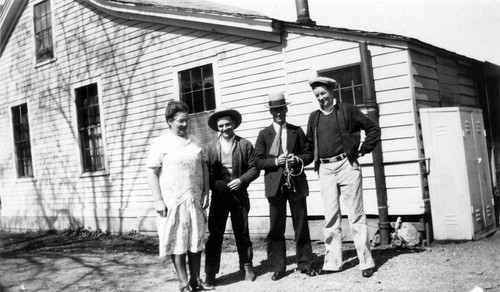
point(224, 112)
point(277, 99)
point(331, 83)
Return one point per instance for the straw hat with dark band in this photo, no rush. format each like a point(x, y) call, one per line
point(277, 99)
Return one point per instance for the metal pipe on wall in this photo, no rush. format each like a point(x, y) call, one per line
point(378, 163)
point(303, 12)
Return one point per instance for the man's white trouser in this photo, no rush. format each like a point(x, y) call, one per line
point(342, 180)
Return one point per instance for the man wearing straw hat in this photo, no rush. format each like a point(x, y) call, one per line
point(282, 151)
point(231, 167)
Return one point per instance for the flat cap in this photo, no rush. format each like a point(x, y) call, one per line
point(323, 80)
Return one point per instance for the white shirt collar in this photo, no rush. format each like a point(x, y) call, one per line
point(276, 126)
point(226, 145)
point(330, 110)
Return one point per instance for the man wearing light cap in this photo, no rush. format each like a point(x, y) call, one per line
point(282, 151)
point(334, 131)
point(231, 167)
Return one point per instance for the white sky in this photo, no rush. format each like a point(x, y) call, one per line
point(466, 27)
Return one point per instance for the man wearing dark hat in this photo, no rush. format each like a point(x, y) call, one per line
point(231, 167)
point(282, 151)
point(334, 131)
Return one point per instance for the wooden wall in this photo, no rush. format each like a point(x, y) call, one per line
point(442, 81)
point(306, 56)
point(136, 65)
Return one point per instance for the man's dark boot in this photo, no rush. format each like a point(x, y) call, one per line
point(210, 279)
point(249, 274)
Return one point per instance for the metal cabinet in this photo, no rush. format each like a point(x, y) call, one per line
point(460, 187)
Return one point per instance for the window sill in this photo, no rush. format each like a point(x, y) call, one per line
point(25, 179)
point(45, 62)
point(202, 114)
point(93, 174)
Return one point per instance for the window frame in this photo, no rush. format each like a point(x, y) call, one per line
point(102, 119)
point(176, 81)
point(337, 90)
point(14, 149)
point(53, 34)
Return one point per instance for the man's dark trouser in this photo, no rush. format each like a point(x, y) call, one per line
point(276, 245)
point(221, 206)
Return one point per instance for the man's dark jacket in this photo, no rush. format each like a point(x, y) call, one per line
point(243, 164)
point(298, 145)
point(350, 120)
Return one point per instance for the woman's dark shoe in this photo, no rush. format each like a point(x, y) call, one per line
point(277, 275)
point(367, 273)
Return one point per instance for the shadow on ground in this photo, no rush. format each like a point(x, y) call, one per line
point(75, 241)
point(381, 255)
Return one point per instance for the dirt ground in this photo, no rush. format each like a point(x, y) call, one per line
point(81, 260)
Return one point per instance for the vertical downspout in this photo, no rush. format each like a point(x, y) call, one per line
point(378, 164)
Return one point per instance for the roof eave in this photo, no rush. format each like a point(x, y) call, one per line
point(253, 27)
point(8, 19)
point(347, 34)
point(375, 38)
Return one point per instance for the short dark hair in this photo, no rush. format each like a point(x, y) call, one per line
point(174, 107)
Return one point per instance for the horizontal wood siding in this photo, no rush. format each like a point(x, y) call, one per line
point(399, 135)
point(134, 63)
point(305, 56)
point(442, 81)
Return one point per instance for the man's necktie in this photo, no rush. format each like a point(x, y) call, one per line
point(275, 147)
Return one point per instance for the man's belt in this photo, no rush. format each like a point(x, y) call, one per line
point(333, 159)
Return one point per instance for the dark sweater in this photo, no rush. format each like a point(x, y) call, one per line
point(329, 144)
point(350, 120)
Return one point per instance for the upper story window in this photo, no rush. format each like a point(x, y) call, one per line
point(42, 17)
point(350, 84)
point(197, 88)
point(89, 128)
point(22, 141)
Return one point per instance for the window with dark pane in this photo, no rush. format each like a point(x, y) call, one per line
point(89, 128)
point(22, 141)
point(350, 84)
point(44, 48)
point(197, 88)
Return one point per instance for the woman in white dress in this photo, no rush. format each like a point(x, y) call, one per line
point(178, 177)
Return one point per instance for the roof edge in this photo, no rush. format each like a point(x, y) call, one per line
point(374, 38)
point(256, 27)
point(8, 19)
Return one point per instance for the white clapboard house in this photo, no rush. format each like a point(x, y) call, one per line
point(84, 85)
